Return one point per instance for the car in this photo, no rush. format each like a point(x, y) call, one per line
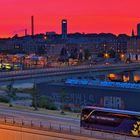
point(6, 66)
point(18, 67)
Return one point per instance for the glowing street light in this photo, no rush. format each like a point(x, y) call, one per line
point(106, 55)
point(45, 37)
point(122, 55)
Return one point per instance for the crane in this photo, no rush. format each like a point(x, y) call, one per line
point(19, 31)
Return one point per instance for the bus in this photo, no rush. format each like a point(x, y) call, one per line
point(111, 120)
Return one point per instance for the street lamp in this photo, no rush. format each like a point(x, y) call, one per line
point(105, 46)
point(45, 37)
point(106, 55)
point(122, 56)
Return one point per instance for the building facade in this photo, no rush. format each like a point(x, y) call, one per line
point(64, 29)
point(133, 49)
point(138, 29)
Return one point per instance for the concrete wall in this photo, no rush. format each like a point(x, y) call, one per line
point(98, 96)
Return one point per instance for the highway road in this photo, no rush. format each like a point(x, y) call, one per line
point(25, 74)
point(66, 126)
point(37, 120)
point(37, 117)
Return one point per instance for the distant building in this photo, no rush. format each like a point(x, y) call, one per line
point(52, 43)
point(138, 29)
point(133, 49)
point(64, 29)
point(50, 35)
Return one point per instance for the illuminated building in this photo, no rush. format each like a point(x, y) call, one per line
point(138, 29)
point(133, 49)
point(64, 29)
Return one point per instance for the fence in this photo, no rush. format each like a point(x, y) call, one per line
point(63, 128)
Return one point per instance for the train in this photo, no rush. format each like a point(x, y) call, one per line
point(110, 120)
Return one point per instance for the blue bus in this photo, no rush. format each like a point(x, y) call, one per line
point(111, 120)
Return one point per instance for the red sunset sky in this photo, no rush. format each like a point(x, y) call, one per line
point(89, 16)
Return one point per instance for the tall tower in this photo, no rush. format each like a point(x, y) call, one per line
point(138, 29)
point(32, 25)
point(133, 34)
point(64, 29)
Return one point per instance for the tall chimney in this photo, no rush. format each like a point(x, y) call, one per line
point(32, 25)
point(25, 32)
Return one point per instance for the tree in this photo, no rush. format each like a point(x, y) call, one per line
point(74, 53)
point(41, 50)
point(63, 55)
point(112, 53)
point(10, 91)
point(100, 54)
point(87, 54)
point(63, 99)
point(35, 97)
point(80, 56)
point(46, 102)
point(63, 52)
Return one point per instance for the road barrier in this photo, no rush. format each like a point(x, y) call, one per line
point(34, 73)
point(63, 128)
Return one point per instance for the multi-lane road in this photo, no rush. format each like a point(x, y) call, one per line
point(35, 73)
point(67, 126)
point(39, 126)
point(37, 117)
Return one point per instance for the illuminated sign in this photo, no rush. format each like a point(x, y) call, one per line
point(103, 118)
point(102, 83)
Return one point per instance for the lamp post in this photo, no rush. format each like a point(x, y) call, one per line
point(105, 47)
point(122, 56)
point(106, 56)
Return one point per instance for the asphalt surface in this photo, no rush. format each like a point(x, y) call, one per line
point(61, 124)
point(38, 117)
point(26, 74)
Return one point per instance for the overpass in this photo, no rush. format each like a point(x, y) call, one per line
point(50, 74)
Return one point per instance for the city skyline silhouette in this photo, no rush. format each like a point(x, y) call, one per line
point(90, 16)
